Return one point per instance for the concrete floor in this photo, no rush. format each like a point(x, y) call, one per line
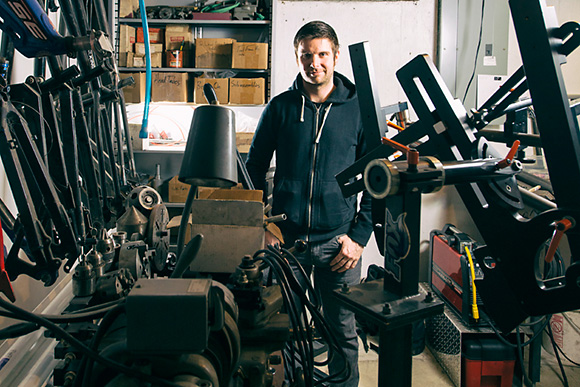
point(428, 372)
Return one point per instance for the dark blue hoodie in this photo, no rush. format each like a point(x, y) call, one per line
point(313, 143)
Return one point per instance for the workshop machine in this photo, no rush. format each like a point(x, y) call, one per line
point(135, 311)
point(448, 146)
point(82, 206)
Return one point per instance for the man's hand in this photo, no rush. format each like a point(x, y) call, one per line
point(270, 239)
point(347, 258)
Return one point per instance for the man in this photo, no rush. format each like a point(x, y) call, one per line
point(316, 131)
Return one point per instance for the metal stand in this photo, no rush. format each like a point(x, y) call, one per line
point(394, 303)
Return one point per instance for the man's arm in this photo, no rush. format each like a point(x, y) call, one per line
point(362, 225)
point(353, 243)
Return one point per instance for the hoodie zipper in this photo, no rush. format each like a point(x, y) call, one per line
point(312, 170)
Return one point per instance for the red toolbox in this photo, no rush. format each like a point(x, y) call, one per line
point(487, 362)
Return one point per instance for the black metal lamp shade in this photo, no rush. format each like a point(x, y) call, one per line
point(210, 155)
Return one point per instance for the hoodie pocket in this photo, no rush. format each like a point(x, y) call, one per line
point(331, 208)
point(290, 198)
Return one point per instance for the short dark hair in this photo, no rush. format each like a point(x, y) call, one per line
point(316, 30)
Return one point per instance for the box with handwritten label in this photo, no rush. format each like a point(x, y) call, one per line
point(250, 56)
point(213, 53)
point(220, 86)
point(247, 91)
point(170, 87)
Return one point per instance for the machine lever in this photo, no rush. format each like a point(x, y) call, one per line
point(561, 227)
point(395, 126)
point(396, 145)
point(510, 156)
point(411, 153)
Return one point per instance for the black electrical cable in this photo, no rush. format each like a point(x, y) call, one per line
point(519, 350)
point(555, 346)
point(566, 356)
point(318, 320)
point(300, 291)
point(87, 365)
point(305, 349)
point(18, 330)
point(69, 317)
point(476, 51)
point(296, 320)
point(311, 291)
point(61, 334)
point(331, 341)
point(506, 342)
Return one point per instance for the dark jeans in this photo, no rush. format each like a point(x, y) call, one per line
point(342, 323)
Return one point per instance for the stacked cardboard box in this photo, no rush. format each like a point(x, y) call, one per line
point(250, 55)
point(136, 92)
point(126, 45)
point(178, 37)
point(247, 91)
point(132, 46)
point(212, 53)
point(156, 48)
point(169, 87)
point(128, 8)
point(220, 86)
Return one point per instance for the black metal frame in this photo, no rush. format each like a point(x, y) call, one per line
point(514, 288)
point(59, 152)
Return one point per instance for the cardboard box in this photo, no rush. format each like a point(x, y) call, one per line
point(154, 48)
point(220, 85)
point(134, 93)
point(171, 87)
point(237, 192)
point(126, 38)
point(231, 228)
point(156, 60)
point(250, 56)
point(126, 59)
point(177, 191)
point(136, 141)
point(156, 35)
point(175, 35)
point(128, 8)
point(243, 141)
point(247, 91)
point(213, 53)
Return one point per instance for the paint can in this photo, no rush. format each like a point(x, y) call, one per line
point(175, 58)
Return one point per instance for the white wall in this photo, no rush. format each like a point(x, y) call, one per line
point(397, 32)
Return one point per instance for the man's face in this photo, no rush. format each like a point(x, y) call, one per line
point(316, 61)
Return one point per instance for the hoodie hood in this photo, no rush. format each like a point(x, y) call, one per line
point(344, 92)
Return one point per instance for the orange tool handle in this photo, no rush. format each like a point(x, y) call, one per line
point(561, 227)
point(395, 126)
point(396, 145)
point(510, 156)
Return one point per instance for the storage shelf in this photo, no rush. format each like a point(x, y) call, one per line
point(221, 23)
point(188, 70)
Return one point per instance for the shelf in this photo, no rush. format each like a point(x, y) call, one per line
point(221, 23)
point(188, 70)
